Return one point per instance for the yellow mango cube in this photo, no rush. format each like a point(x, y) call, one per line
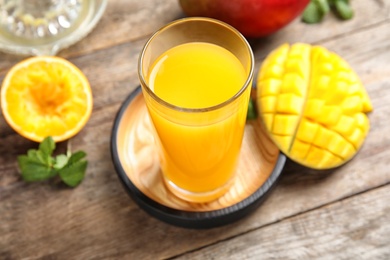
point(329, 115)
point(352, 105)
point(361, 121)
point(293, 83)
point(323, 137)
point(268, 120)
point(315, 156)
point(300, 50)
point(273, 71)
point(320, 86)
point(357, 137)
point(307, 131)
point(326, 68)
point(284, 124)
point(329, 159)
point(268, 104)
point(345, 126)
point(289, 103)
point(284, 141)
point(314, 108)
point(295, 66)
point(279, 55)
point(340, 146)
point(337, 94)
point(299, 149)
point(269, 87)
point(345, 76)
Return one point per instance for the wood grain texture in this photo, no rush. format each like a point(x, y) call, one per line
point(329, 232)
point(126, 21)
point(97, 220)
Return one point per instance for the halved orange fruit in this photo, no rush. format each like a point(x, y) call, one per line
point(46, 96)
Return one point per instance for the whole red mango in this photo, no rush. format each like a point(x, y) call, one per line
point(253, 18)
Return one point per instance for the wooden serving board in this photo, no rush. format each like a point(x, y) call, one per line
point(138, 156)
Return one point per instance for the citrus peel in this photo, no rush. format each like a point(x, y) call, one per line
point(46, 96)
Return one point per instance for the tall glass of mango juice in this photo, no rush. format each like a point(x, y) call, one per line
point(196, 76)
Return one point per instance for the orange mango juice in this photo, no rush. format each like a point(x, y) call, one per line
point(199, 156)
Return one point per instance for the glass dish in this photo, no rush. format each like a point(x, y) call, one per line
point(44, 27)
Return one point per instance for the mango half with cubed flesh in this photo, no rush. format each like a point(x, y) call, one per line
point(313, 105)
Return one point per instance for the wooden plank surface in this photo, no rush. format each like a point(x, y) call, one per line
point(318, 234)
point(98, 220)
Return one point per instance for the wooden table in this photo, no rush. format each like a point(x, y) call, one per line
point(344, 214)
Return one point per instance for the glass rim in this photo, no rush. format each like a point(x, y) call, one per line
point(205, 109)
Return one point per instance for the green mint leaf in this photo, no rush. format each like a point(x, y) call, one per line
point(333, 2)
point(33, 169)
point(47, 146)
point(77, 156)
point(312, 13)
point(73, 173)
point(343, 9)
point(251, 110)
point(60, 161)
point(39, 157)
point(323, 6)
point(33, 155)
point(39, 164)
point(45, 159)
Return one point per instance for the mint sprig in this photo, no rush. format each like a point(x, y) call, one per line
point(251, 110)
point(317, 9)
point(39, 165)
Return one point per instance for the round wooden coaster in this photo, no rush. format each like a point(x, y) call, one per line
point(136, 161)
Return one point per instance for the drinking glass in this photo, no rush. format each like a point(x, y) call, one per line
point(199, 147)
